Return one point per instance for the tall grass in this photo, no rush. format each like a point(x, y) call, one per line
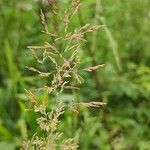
point(62, 52)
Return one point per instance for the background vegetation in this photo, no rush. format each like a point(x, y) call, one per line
point(124, 83)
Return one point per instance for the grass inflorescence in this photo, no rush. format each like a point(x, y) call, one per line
point(62, 51)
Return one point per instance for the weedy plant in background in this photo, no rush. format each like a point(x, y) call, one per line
point(62, 52)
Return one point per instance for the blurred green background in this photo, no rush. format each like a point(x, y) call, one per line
point(124, 83)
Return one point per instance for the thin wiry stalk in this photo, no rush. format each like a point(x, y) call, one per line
point(91, 54)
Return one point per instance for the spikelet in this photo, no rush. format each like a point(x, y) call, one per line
point(90, 69)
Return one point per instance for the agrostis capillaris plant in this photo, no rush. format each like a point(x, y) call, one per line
point(62, 51)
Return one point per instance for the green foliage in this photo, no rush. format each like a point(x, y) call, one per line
point(124, 82)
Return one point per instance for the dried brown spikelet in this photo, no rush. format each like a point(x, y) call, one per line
point(69, 144)
point(31, 96)
point(78, 78)
point(43, 20)
point(42, 74)
point(49, 89)
point(26, 145)
point(50, 2)
point(75, 37)
point(75, 106)
point(71, 87)
point(46, 46)
point(95, 28)
point(49, 120)
point(90, 69)
point(93, 104)
point(40, 108)
point(76, 3)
